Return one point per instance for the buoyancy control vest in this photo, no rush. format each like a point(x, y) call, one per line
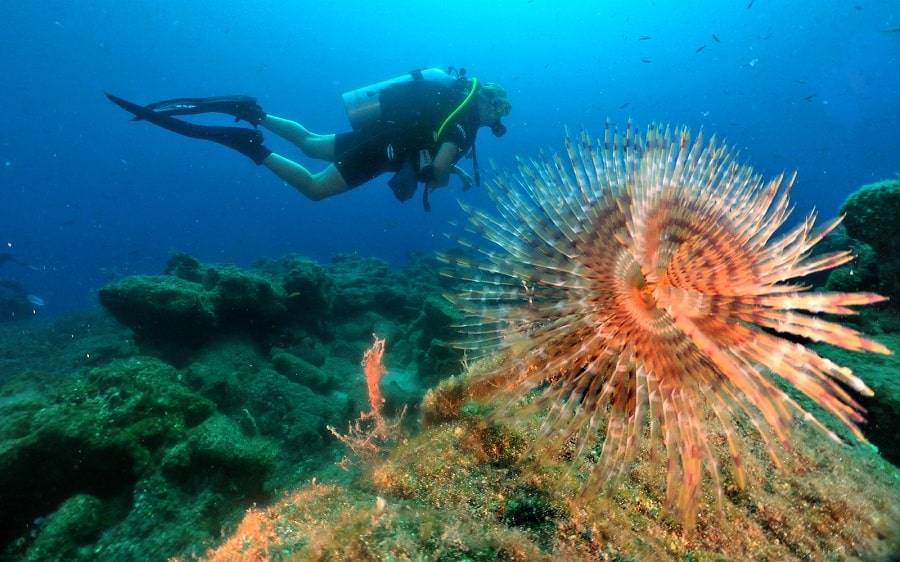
point(372, 106)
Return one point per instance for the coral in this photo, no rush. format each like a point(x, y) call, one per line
point(641, 285)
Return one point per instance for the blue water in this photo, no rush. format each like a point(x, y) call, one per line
point(88, 196)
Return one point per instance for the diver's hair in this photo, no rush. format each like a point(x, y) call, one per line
point(495, 94)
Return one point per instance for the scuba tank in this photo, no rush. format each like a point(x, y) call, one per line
point(363, 105)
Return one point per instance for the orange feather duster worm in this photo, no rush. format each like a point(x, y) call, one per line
point(640, 288)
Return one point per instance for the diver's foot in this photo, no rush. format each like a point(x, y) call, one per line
point(248, 142)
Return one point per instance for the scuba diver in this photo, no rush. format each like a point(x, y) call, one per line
point(418, 125)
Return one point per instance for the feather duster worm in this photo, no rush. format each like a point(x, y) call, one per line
point(640, 290)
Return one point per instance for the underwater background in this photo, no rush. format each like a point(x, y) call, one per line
point(116, 231)
point(88, 196)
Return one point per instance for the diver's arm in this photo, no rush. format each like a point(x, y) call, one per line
point(442, 164)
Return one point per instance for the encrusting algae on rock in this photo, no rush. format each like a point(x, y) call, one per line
point(469, 488)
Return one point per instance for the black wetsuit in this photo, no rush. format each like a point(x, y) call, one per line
point(411, 112)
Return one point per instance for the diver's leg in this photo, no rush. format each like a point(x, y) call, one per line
point(326, 183)
point(312, 144)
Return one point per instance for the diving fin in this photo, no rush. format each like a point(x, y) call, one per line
point(248, 142)
point(240, 107)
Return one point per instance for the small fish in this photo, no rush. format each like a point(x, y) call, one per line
point(753, 62)
point(644, 38)
point(704, 113)
point(646, 61)
point(890, 30)
point(624, 105)
point(809, 97)
point(35, 300)
point(294, 295)
point(716, 38)
point(700, 48)
point(750, 5)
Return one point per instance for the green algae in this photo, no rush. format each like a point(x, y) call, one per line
point(532, 509)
